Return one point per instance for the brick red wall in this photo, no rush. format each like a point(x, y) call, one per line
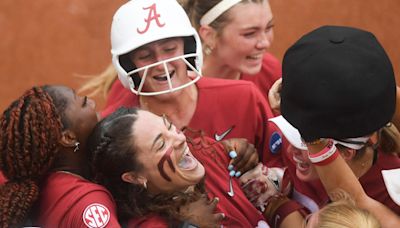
point(50, 41)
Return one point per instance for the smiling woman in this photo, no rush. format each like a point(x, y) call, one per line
point(236, 36)
point(159, 64)
point(155, 65)
point(43, 157)
point(158, 176)
point(162, 142)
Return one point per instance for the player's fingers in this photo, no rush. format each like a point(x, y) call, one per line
point(250, 164)
point(246, 156)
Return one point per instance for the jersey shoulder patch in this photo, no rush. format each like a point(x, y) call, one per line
point(96, 216)
point(275, 142)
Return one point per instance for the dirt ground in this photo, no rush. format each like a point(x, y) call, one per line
point(52, 42)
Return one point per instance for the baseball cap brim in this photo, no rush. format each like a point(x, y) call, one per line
point(290, 132)
point(294, 137)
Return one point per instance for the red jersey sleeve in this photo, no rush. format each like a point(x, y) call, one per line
point(95, 209)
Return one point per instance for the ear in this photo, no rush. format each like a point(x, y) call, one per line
point(348, 153)
point(374, 138)
point(131, 177)
point(68, 138)
point(208, 35)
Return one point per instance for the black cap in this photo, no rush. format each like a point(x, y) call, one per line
point(338, 82)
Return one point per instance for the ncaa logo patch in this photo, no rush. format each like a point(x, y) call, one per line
point(96, 216)
point(275, 142)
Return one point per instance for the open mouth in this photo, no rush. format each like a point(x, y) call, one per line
point(255, 57)
point(301, 165)
point(187, 161)
point(164, 77)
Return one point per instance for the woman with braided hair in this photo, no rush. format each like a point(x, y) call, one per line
point(43, 157)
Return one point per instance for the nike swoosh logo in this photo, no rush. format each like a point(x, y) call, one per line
point(225, 133)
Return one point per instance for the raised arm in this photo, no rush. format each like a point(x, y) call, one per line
point(338, 175)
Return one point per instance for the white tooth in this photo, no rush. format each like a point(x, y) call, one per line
point(297, 160)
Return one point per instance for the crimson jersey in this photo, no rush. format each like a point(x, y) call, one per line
point(225, 109)
point(373, 183)
point(313, 195)
point(238, 210)
point(67, 200)
point(271, 71)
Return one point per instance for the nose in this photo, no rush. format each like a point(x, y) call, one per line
point(180, 136)
point(160, 66)
point(264, 41)
point(177, 136)
point(161, 56)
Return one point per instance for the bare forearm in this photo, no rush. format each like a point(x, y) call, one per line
point(338, 175)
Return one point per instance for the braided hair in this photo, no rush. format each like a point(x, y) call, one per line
point(30, 130)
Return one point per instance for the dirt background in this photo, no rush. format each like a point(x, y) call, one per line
point(54, 41)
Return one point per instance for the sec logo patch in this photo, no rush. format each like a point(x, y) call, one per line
point(96, 216)
point(275, 142)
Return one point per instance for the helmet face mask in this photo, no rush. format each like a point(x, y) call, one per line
point(137, 82)
point(140, 22)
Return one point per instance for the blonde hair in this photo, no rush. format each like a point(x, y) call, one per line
point(343, 213)
point(99, 84)
point(195, 9)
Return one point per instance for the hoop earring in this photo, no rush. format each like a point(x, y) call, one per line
point(145, 185)
point(76, 147)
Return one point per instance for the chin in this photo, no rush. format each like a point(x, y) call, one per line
point(200, 171)
point(305, 177)
point(194, 176)
point(167, 96)
point(251, 70)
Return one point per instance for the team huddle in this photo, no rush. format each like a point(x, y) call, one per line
point(203, 128)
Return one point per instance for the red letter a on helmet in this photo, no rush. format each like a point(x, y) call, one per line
point(152, 16)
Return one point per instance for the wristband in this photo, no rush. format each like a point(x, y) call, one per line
point(328, 146)
point(326, 155)
point(329, 159)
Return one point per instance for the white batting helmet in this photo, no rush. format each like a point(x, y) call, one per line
point(140, 22)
